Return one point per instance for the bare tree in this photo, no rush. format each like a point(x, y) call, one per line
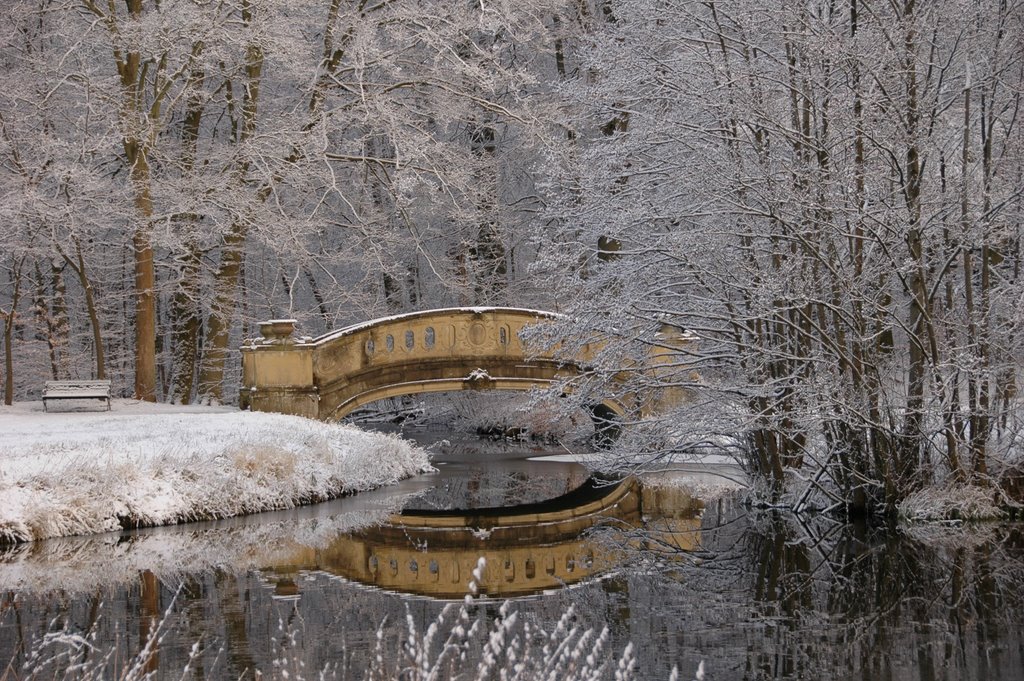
point(785, 189)
point(253, 158)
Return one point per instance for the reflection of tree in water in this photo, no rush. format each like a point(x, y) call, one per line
point(774, 597)
point(766, 596)
point(953, 603)
point(495, 488)
point(508, 479)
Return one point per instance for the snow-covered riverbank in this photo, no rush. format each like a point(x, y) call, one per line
point(85, 472)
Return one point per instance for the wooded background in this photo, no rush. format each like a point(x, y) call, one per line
point(827, 192)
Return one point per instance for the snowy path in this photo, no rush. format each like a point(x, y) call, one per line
point(85, 472)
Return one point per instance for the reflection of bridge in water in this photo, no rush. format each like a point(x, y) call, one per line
point(528, 548)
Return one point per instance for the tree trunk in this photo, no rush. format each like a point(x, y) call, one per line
point(909, 453)
point(46, 316)
point(94, 317)
point(129, 69)
point(218, 324)
point(78, 266)
point(145, 286)
point(186, 322)
point(9, 317)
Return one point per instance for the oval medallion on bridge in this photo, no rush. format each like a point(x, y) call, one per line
point(477, 333)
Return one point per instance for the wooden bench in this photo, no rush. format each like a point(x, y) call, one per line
point(76, 390)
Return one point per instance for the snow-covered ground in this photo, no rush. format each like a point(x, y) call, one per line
point(87, 471)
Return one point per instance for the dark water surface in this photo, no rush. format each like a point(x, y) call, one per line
point(756, 596)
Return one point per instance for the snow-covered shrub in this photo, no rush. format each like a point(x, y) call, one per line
point(951, 503)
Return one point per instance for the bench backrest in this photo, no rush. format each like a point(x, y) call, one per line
point(85, 388)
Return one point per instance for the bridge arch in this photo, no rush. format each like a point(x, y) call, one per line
point(451, 349)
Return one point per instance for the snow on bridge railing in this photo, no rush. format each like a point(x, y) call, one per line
point(438, 312)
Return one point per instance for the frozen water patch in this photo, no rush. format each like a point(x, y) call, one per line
point(705, 476)
point(64, 474)
point(663, 461)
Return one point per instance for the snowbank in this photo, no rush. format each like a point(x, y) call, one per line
point(64, 474)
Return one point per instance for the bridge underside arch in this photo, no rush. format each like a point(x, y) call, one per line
point(340, 400)
point(408, 388)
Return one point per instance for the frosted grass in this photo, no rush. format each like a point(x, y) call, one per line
point(85, 473)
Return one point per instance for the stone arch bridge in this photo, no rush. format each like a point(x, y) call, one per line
point(477, 348)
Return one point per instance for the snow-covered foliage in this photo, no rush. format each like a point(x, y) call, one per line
point(683, 486)
point(951, 504)
point(516, 650)
point(514, 415)
point(828, 196)
point(328, 161)
point(459, 644)
point(82, 473)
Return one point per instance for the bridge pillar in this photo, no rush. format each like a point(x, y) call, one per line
point(277, 372)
